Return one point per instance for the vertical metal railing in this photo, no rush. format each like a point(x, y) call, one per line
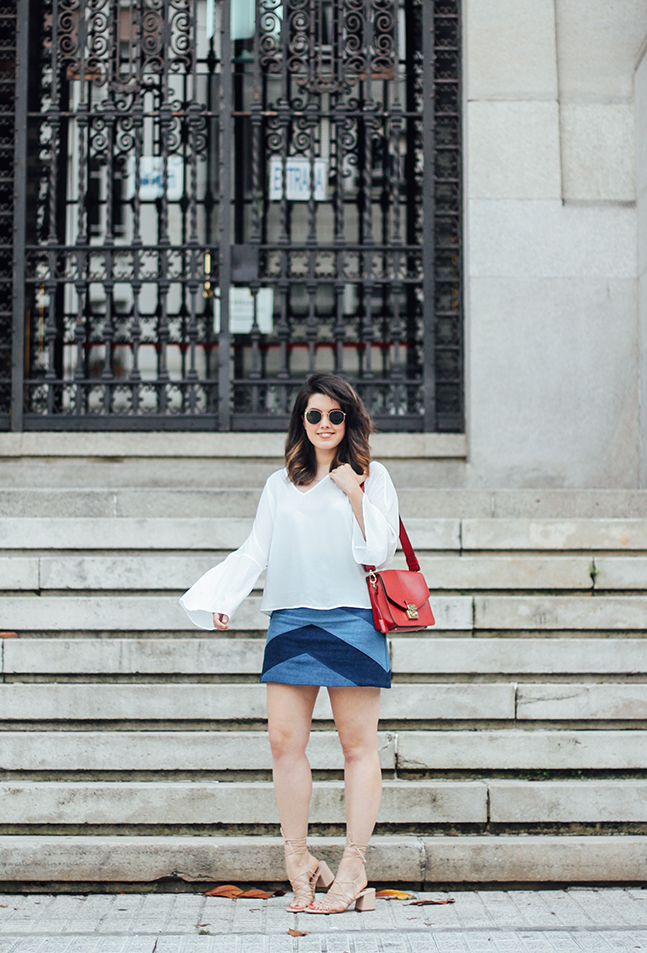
point(226, 159)
point(19, 223)
point(428, 228)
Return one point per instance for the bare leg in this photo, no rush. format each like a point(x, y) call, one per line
point(356, 712)
point(289, 709)
point(289, 715)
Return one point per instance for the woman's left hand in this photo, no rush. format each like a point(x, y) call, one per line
point(346, 478)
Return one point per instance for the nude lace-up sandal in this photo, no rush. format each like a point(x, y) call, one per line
point(343, 893)
point(313, 873)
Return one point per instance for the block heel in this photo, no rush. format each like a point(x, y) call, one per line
point(325, 876)
point(366, 900)
point(343, 894)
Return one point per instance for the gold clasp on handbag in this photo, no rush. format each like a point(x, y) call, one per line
point(412, 611)
point(373, 579)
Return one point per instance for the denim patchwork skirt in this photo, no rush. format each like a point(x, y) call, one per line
point(335, 647)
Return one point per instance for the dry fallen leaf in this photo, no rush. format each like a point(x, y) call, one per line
point(428, 903)
point(8, 635)
point(226, 890)
point(297, 933)
point(232, 892)
point(203, 924)
point(394, 895)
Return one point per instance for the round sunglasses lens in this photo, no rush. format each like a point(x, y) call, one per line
point(313, 416)
point(336, 417)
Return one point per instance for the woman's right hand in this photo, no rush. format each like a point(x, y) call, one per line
point(221, 621)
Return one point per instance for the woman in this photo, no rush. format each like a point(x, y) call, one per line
point(315, 529)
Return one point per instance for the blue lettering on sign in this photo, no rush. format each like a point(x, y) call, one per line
point(297, 179)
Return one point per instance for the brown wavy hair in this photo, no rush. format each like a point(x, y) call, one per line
point(300, 457)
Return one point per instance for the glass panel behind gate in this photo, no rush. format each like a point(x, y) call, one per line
point(270, 216)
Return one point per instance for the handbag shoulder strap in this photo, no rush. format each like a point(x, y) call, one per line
point(407, 548)
point(412, 562)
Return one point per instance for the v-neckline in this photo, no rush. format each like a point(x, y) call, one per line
point(310, 488)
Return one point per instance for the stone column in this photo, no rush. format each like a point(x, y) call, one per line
point(552, 332)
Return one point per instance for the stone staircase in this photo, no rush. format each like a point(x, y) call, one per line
point(132, 746)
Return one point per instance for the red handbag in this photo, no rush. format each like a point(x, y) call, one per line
point(400, 597)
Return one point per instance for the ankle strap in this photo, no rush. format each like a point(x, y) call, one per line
point(296, 845)
point(355, 850)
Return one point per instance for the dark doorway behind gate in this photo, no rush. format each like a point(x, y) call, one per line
point(216, 197)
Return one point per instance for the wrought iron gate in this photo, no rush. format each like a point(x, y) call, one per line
point(216, 197)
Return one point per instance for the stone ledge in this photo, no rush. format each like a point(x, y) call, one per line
point(468, 859)
point(592, 802)
point(162, 613)
point(253, 802)
point(214, 445)
point(178, 750)
point(232, 802)
point(167, 533)
point(522, 749)
point(89, 701)
point(429, 654)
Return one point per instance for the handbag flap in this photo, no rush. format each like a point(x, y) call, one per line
point(403, 587)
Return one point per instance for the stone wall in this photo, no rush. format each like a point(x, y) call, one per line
point(553, 341)
point(641, 208)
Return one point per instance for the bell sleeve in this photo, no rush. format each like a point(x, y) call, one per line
point(223, 588)
point(381, 520)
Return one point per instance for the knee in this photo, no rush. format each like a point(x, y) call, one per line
point(358, 749)
point(285, 745)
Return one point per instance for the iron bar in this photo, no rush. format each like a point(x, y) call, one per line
point(224, 254)
point(428, 228)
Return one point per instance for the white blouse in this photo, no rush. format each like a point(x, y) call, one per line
point(311, 545)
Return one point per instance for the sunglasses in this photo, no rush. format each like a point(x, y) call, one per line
point(336, 417)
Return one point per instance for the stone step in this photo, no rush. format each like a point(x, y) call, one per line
point(558, 535)
point(415, 860)
point(180, 502)
point(506, 749)
point(214, 802)
point(144, 572)
point(253, 802)
point(439, 479)
point(162, 613)
point(173, 534)
point(92, 701)
point(224, 533)
point(123, 534)
point(164, 572)
point(522, 750)
point(543, 613)
point(213, 447)
point(429, 655)
point(523, 701)
point(165, 751)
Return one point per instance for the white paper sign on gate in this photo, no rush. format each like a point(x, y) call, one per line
point(297, 174)
point(151, 178)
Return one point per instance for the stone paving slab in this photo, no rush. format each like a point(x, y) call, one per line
point(523, 921)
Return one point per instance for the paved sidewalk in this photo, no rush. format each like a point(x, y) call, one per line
point(497, 921)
